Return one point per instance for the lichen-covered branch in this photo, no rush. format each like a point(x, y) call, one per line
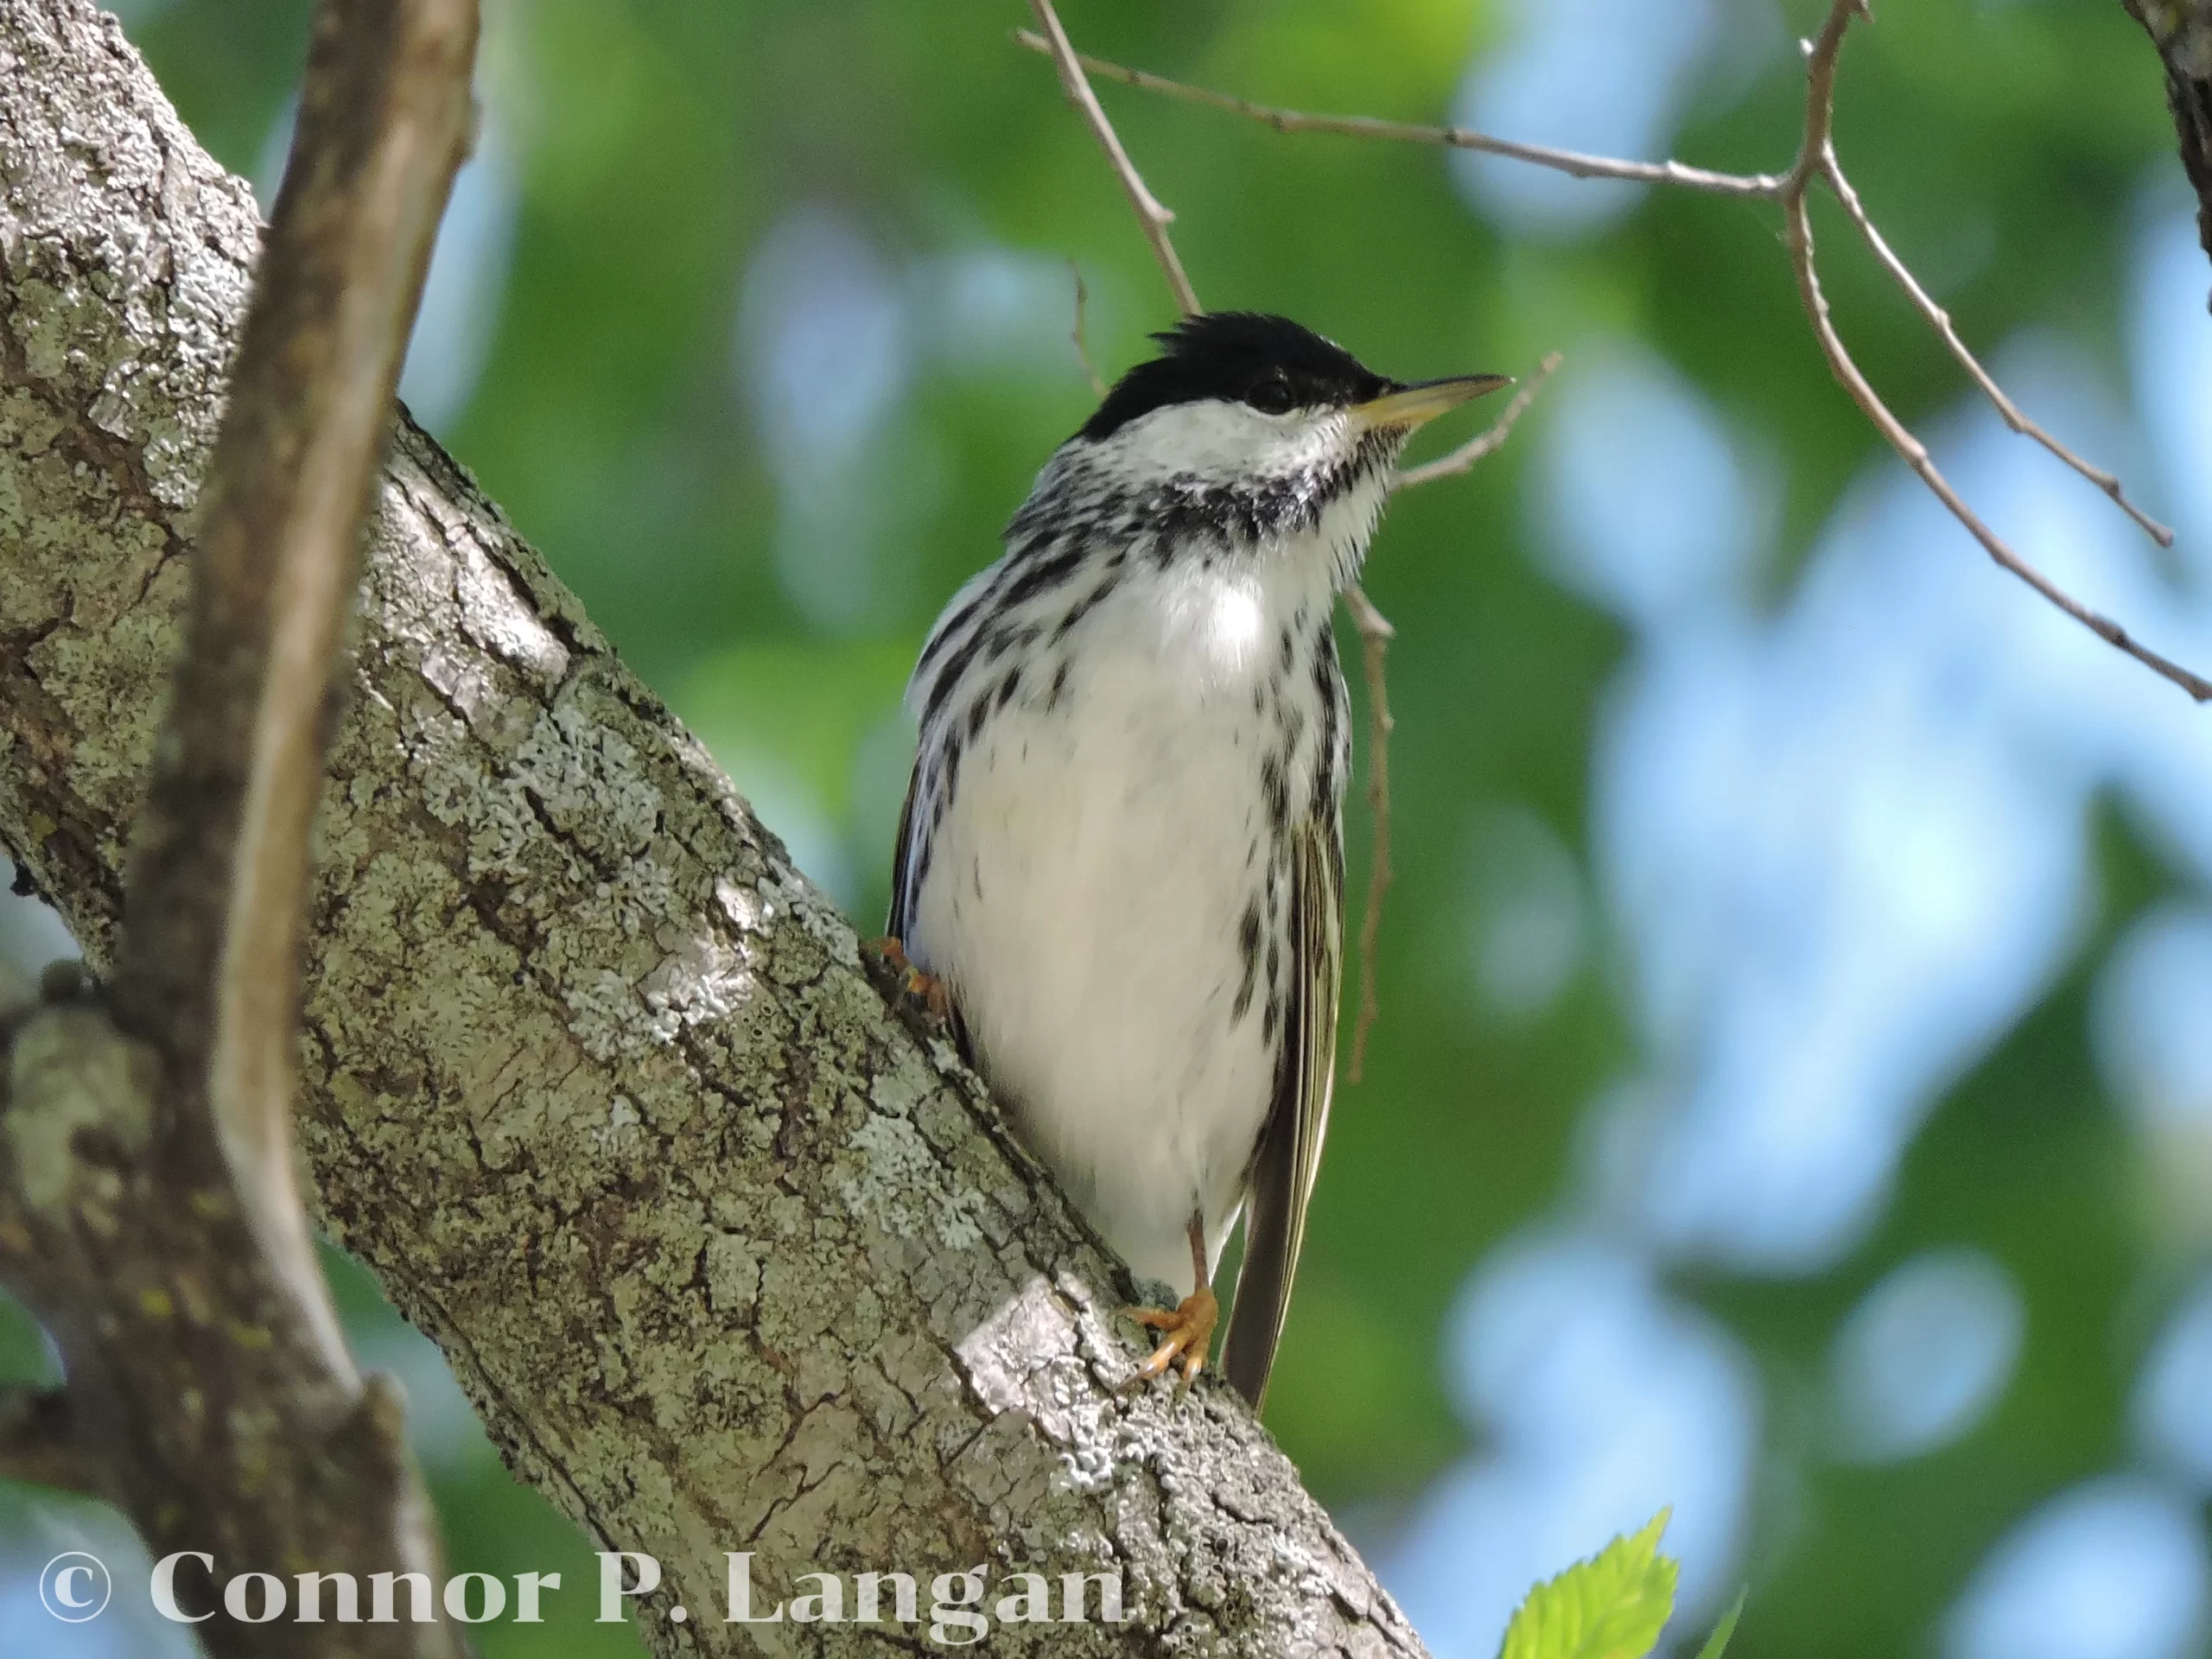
point(728, 1257)
point(148, 1208)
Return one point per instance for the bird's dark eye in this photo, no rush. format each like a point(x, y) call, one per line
point(1271, 396)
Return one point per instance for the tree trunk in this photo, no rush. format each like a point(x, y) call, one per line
point(730, 1256)
point(2182, 30)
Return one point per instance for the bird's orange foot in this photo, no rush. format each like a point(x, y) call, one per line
point(927, 989)
point(1188, 1338)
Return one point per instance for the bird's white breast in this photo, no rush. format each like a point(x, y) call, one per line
point(1084, 893)
point(1121, 721)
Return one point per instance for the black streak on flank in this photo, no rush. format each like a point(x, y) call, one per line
point(949, 675)
point(1084, 606)
point(949, 768)
point(948, 629)
point(1248, 940)
point(1040, 574)
point(1273, 784)
point(1330, 761)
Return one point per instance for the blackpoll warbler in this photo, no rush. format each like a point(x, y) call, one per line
point(1121, 862)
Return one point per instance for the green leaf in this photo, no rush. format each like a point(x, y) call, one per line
point(1612, 1606)
point(1717, 1643)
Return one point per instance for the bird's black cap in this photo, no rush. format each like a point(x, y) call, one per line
point(1239, 356)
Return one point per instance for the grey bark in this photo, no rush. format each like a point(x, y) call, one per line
point(2182, 30)
point(728, 1256)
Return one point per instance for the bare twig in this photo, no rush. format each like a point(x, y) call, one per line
point(1376, 634)
point(1151, 216)
point(1486, 441)
point(1075, 332)
point(1816, 158)
point(1815, 162)
point(1822, 54)
point(1361, 126)
point(1798, 235)
point(38, 1442)
point(1940, 320)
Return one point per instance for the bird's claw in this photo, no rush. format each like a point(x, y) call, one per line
point(1188, 1337)
point(926, 990)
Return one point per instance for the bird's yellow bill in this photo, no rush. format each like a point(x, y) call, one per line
point(1411, 406)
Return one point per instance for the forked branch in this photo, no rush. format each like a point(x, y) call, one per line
point(1815, 163)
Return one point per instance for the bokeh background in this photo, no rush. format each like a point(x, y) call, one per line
point(1793, 1096)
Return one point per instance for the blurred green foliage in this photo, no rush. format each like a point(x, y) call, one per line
point(658, 141)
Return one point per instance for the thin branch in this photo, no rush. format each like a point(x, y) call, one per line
point(1075, 332)
point(1569, 162)
point(38, 1442)
point(1486, 441)
point(1376, 634)
point(1940, 320)
point(1815, 160)
point(1798, 236)
point(210, 965)
point(1822, 54)
point(1153, 218)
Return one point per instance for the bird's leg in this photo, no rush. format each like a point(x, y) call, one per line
point(1189, 1328)
point(925, 988)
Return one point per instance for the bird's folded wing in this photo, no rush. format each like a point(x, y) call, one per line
point(1289, 1154)
point(902, 898)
